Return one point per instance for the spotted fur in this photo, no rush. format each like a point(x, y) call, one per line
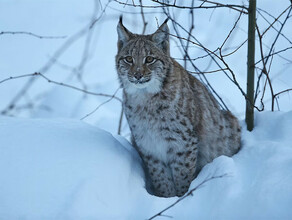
point(176, 124)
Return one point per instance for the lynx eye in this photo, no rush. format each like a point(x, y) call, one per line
point(149, 59)
point(129, 59)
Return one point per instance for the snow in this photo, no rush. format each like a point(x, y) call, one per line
point(55, 166)
point(67, 169)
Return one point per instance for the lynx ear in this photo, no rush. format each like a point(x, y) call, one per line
point(123, 34)
point(161, 37)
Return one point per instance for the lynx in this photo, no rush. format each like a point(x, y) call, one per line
point(177, 126)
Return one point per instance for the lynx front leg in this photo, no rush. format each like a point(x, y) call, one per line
point(160, 176)
point(183, 169)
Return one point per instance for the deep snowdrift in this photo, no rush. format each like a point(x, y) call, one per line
point(66, 169)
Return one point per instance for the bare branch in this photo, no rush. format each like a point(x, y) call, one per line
point(121, 121)
point(232, 29)
point(271, 25)
point(205, 72)
point(58, 53)
point(164, 5)
point(279, 93)
point(234, 7)
point(100, 16)
point(221, 103)
point(265, 59)
point(190, 193)
point(31, 34)
point(103, 103)
point(189, 34)
point(59, 83)
point(143, 18)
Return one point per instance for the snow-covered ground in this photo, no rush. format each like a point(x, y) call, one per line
point(67, 169)
point(55, 166)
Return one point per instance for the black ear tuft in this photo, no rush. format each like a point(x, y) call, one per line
point(165, 22)
point(161, 37)
point(123, 34)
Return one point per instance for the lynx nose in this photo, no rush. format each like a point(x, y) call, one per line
point(138, 75)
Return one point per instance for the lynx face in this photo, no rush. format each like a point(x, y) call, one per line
point(141, 60)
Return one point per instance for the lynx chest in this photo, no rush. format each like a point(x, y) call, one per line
point(154, 128)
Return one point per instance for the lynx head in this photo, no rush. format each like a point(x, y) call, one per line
point(142, 61)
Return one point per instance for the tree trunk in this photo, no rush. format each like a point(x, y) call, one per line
point(249, 114)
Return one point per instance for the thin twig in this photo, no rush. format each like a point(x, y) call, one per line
point(190, 193)
point(58, 53)
point(208, 85)
point(165, 5)
point(58, 83)
point(145, 23)
point(31, 34)
point(279, 93)
point(205, 72)
point(111, 97)
point(121, 121)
